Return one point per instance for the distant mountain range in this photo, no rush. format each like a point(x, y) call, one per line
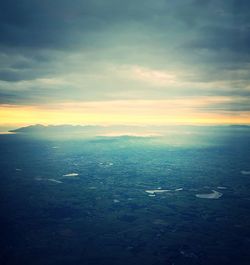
point(173, 135)
point(38, 128)
point(92, 130)
point(128, 131)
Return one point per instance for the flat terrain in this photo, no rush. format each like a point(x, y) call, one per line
point(125, 200)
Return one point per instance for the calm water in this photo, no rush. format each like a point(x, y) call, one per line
point(93, 202)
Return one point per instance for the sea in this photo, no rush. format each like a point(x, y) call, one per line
point(178, 199)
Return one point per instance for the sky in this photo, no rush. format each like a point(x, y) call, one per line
point(124, 62)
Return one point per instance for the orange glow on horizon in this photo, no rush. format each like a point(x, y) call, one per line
point(113, 113)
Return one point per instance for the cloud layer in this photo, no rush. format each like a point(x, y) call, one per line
point(54, 52)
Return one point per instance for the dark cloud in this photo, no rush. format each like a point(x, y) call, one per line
point(223, 39)
point(56, 24)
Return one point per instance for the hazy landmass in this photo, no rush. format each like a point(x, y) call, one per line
point(38, 128)
point(123, 130)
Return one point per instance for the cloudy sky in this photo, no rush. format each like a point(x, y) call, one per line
point(124, 62)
